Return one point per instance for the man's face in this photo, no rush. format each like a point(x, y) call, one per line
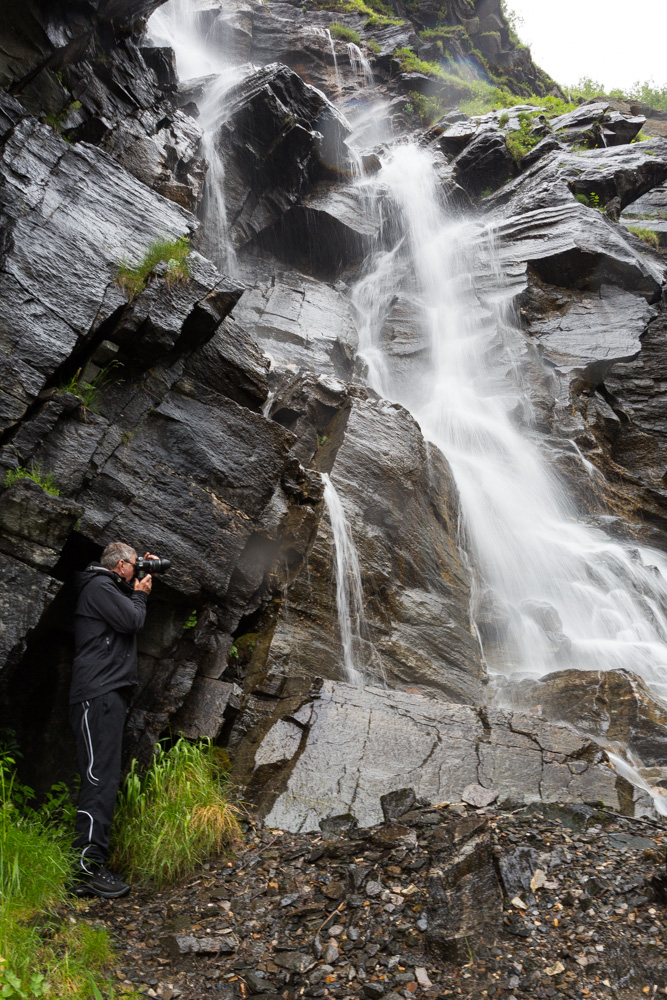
point(125, 568)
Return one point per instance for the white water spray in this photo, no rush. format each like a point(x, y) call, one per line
point(360, 66)
point(569, 596)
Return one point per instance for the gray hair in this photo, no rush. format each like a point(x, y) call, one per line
point(114, 552)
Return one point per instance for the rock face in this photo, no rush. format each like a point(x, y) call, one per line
point(226, 421)
point(376, 741)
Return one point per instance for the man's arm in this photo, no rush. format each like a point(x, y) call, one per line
point(123, 613)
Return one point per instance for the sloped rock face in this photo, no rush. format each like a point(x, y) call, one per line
point(375, 742)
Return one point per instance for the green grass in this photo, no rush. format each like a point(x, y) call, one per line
point(47, 952)
point(521, 140)
point(345, 34)
point(133, 278)
point(378, 14)
point(89, 392)
point(643, 92)
point(374, 46)
point(429, 109)
point(174, 816)
point(648, 236)
point(44, 479)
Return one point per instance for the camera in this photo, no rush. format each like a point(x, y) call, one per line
point(143, 567)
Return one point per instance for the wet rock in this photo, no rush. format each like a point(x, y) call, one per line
point(280, 137)
point(29, 513)
point(598, 119)
point(66, 231)
point(593, 331)
point(614, 705)
point(418, 632)
point(485, 162)
point(571, 245)
point(441, 747)
point(37, 590)
point(624, 172)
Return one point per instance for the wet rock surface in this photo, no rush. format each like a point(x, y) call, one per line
point(568, 903)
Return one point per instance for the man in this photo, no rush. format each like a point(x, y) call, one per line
point(110, 610)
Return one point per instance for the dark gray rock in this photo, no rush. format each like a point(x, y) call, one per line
point(571, 245)
point(66, 229)
point(28, 513)
point(280, 136)
point(19, 616)
point(623, 172)
point(485, 162)
point(598, 122)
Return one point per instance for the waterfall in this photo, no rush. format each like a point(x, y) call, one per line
point(325, 33)
point(360, 65)
point(349, 593)
point(182, 25)
point(565, 594)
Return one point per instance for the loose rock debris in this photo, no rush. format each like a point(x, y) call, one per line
point(537, 903)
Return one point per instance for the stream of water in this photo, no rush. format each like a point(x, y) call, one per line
point(564, 594)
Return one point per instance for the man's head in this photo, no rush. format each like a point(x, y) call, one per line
point(119, 558)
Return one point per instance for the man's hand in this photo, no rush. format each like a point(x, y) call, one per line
point(145, 584)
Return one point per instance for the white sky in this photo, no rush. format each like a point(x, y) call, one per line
point(607, 40)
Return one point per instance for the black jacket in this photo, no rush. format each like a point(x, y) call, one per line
point(108, 615)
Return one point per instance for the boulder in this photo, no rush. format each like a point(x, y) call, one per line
point(614, 706)
point(593, 331)
point(349, 746)
point(649, 212)
point(36, 589)
point(597, 121)
point(325, 232)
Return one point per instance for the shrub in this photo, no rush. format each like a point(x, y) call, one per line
point(374, 46)
point(174, 253)
point(648, 236)
point(344, 33)
point(377, 13)
point(44, 479)
point(89, 392)
point(177, 814)
point(429, 109)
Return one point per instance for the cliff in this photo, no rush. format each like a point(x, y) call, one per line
point(245, 424)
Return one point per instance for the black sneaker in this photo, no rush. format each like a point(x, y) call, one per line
point(100, 883)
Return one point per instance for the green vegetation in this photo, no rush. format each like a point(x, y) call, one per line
point(374, 46)
point(174, 816)
point(485, 97)
point(648, 236)
point(191, 621)
point(344, 33)
point(591, 200)
point(47, 954)
point(89, 392)
point(429, 109)
point(503, 120)
point(44, 479)
point(57, 120)
point(133, 278)
point(642, 93)
point(521, 140)
point(377, 13)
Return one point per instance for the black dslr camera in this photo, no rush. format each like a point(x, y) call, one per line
point(143, 567)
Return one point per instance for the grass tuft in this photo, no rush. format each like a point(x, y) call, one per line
point(648, 236)
point(44, 479)
point(345, 34)
point(89, 392)
point(133, 278)
point(46, 953)
point(176, 815)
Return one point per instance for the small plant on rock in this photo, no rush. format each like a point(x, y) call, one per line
point(43, 479)
point(133, 278)
point(522, 140)
point(648, 236)
point(89, 392)
point(345, 34)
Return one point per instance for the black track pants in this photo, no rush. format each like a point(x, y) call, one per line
point(98, 727)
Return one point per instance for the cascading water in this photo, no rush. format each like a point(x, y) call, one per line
point(565, 594)
point(325, 32)
point(181, 24)
point(360, 65)
point(349, 593)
